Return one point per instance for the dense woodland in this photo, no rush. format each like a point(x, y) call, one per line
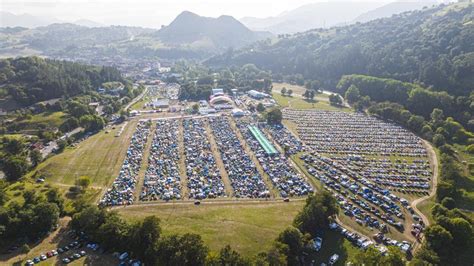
point(434, 47)
point(29, 80)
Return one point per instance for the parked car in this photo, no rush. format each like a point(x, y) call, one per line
point(334, 258)
point(318, 243)
point(29, 263)
point(66, 260)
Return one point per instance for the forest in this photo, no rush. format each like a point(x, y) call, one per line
point(29, 80)
point(433, 47)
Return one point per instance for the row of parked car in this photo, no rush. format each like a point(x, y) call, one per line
point(53, 253)
point(364, 243)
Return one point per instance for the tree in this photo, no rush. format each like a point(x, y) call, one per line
point(88, 220)
point(352, 94)
point(369, 257)
point(289, 92)
point(46, 216)
point(439, 140)
point(394, 257)
point(35, 157)
point(461, 231)
point(449, 203)
point(274, 116)
point(260, 107)
point(292, 238)
point(277, 254)
point(426, 255)
point(228, 256)
point(283, 91)
point(83, 182)
point(113, 233)
point(416, 123)
point(470, 149)
point(25, 248)
point(15, 167)
point(335, 100)
point(144, 236)
point(61, 145)
point(195, 108)
point(437, 117)
point(188, 249)
point(439, 239)
point(13, 146)
point(316, 212)
point(54, 196)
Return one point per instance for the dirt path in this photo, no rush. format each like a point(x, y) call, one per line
point(273, 191)
point(138, 98)
point(219, 162)
point(182, 161)
point(435, 168)
point(218, 201)
point(144, 164)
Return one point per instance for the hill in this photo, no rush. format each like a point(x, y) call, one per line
point(188, 36)
point(329, 14)
point(434, 46)
point(222, 32)
point(310, 16)
point(8, 19)
point(394, 8)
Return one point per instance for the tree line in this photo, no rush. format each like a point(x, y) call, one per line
point(432, 46)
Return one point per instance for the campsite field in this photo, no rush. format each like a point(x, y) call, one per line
point(248, 227)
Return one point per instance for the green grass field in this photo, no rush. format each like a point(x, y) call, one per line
point(51, 119)
point(247, 227)
point(98, 157)
point(466, 183)
point(295, 102)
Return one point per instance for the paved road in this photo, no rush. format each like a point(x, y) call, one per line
point(136, 99)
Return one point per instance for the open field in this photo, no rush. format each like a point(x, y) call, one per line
point(295, 102)
point(98, 157)
point(466, 183)
point(42, 120)
point(248, 227)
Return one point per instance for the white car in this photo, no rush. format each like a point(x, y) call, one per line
point(334, 258)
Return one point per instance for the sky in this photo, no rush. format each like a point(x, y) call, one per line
point(150, 13)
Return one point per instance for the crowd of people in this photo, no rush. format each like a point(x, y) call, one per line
point(204, 179)
point(353, 133)
point(243, 174)
point(277, 166)
point(123, 187)
point(162, 177)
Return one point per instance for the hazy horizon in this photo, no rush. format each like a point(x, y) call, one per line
point(152, 14)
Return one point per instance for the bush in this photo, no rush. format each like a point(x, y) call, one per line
point(25, 248)
point(470, 149)
point(449, 203)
